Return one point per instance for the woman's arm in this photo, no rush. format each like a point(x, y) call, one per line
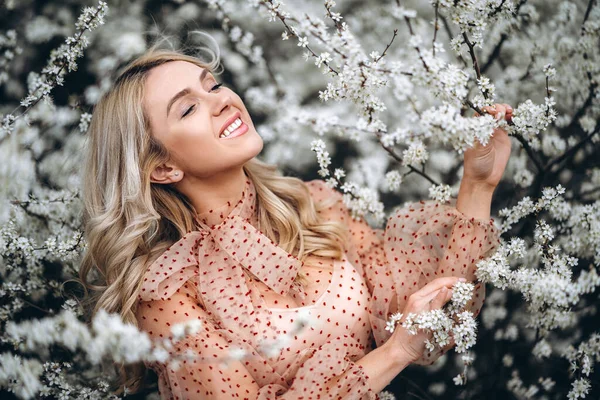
point(483, 169)
point(474, 200)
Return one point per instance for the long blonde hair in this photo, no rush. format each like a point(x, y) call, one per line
point(129, 221)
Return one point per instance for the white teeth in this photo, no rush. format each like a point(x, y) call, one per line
point(234, 125)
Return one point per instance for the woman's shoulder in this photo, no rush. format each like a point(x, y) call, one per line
point(320, 191)
point(157, 317)
point(329, 202)
point(174, 266)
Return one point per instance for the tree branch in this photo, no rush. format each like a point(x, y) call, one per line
point(571, 152)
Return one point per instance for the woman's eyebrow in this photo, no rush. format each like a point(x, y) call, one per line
point(184, 92)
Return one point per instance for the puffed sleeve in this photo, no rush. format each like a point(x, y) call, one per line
point(222, 365)
point(421, 241)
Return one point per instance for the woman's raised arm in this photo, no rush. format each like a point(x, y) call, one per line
point(421, 242)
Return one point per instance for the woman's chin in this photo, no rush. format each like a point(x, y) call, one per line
point(254, 142)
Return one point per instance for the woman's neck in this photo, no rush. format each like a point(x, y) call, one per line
point(215, 192)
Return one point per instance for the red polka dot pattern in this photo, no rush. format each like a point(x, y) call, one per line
point(231, 277)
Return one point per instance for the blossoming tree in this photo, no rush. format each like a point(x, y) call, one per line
point(385, 97)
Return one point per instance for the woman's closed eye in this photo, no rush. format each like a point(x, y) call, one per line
point(191, 108)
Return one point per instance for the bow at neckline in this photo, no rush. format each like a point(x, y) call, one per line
point(212, 251)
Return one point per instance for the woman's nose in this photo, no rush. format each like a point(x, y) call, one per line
point(222, 101)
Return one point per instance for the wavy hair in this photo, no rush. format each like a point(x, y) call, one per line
point(129, 221)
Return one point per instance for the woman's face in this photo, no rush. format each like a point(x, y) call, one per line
point(190, 115)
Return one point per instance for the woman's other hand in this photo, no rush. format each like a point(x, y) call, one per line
point(433, 295)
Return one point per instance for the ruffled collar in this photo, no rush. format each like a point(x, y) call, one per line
point(222, 243)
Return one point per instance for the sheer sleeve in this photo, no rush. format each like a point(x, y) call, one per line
point(222, 365)
point(421, 241)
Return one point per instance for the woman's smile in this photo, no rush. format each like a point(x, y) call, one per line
point(233, 127)
point(239, 131)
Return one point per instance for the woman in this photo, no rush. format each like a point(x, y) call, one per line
point(184, 223)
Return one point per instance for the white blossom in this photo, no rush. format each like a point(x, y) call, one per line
point(303, 41)
point(415, 154)
point(393, 180)
point(579, 389)
point(440, 193)
point(542, 349)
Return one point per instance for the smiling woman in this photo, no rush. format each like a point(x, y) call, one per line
point(184, 223)
point(192, 118)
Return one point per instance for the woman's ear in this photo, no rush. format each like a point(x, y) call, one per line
point(165, 174)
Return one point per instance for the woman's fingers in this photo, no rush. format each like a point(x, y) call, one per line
point(441, 298)
point(498, 110)
point(434, 300)
point(509, 111)
point(436, 285)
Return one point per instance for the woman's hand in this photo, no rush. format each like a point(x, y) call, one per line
point(430, 297)
point(484, 165)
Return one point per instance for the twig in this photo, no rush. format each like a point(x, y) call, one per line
point(497, 9)
point(593, 83)
point(588, 102)
point(530, 152)
point(435, 26)
point(571, 152)
point(226, 19)
point(36, 307)
point(398, 158)
point(495, 53)
point(474, 107)
point(414, 106)
point(338, 26)
point(412, 33)
point(291, 31)
point(55, 75)
point(388, 46)
point(451, 36)
point(473, 59)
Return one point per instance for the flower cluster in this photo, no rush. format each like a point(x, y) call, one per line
point(108, 337)
point(473, 17)
point(550, 201)
point(449, 322)
point(359, 200)
point(393, 180)
point(530, 119)
point(8, 50)
point(440, 193)
point(452, 322)
point(550, 292)
point(318, 146)
point(62, 60)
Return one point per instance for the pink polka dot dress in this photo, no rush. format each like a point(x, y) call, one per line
point(263, 335)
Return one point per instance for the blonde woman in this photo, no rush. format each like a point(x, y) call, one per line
point(184, 223)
